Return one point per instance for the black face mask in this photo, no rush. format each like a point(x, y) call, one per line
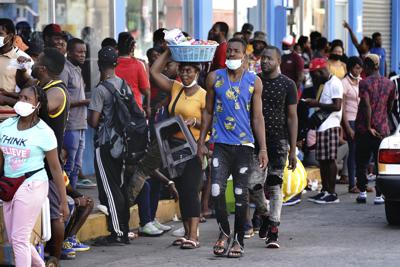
point(335, 57)
point(258, 51)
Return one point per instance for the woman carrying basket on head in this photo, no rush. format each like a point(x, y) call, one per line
point(188, 100)
point(25, 141)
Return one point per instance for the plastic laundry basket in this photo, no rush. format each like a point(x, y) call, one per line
point(193, 53)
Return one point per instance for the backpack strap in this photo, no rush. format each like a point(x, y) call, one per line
point(109, 86)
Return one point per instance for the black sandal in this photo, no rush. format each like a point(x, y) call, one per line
point(221, 246)
point(234, 253)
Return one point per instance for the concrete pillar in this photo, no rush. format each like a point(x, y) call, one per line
point(119, 17)
point(276, 22)
point(395, 56)
point(202, 18)
point(330, 4)
point(355, 22)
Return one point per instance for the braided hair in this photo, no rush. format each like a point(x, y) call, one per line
point(41, 97)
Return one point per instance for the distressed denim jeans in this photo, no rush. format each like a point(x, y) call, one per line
point(235, 160)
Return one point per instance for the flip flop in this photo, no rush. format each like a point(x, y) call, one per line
point(179, 241)
point(132, 235)
point(190, 244)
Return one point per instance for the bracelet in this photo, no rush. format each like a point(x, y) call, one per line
point(264, 150)
point(170, 182)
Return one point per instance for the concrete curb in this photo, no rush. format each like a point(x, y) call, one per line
point(96, 224)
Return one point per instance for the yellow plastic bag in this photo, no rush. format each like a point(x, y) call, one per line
point(294, 182)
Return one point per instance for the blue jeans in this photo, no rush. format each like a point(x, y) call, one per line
point(143, 202)
point(155, 189)
point(351, 160)
point(74, 143)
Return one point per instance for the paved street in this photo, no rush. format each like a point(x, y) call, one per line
point(344, 234)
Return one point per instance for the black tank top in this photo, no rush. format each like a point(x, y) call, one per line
point(58, 121)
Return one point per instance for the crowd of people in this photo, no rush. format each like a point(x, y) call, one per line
point(253, 110)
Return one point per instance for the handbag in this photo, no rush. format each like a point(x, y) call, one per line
point(317, 118)
point(8, 186)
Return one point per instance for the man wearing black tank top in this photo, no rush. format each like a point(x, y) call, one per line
point(47, 70)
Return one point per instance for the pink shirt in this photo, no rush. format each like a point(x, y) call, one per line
point(350, 91)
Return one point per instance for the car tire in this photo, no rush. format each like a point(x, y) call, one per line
point(392, 209)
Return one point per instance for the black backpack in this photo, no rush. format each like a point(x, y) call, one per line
point(130, 132)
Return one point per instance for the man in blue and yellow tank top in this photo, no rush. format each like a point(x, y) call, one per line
point(233, 94)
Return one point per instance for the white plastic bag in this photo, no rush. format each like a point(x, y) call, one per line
point(174, 37)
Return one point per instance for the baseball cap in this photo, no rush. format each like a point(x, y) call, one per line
point(259, 36)
point(52, 29)
point(318, 63)
point(108, 55)
point(288, 40)
point(374, 58)
point(247, 28)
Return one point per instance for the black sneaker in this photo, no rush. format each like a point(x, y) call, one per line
point(111, 241)
point(328, 199)
point(362, 198)
point(262, 233)
point(293, 201)
point(318, 196)
point(272, 238)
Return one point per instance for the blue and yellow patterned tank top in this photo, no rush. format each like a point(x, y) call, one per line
point(231, 122)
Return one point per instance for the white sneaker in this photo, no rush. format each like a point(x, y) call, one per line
point(161, 227)
point(149, 230)
point(179, 232)
point(379, 200)
point(103, 209)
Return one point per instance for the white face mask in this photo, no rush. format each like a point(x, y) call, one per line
point(233, 64)
point(1, 41)
point(24, 109)
point(286, 52)
point(192, 84)
point(355, 78)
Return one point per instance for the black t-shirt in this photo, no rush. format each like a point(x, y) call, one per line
point(277, 95)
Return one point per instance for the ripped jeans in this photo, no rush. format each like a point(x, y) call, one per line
point(272, 180)
point(235, 160)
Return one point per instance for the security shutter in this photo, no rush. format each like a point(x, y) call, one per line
point(377, 18)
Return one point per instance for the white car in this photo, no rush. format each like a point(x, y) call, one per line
point(388, 179)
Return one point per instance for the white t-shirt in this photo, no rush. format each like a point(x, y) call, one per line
point(333, 89)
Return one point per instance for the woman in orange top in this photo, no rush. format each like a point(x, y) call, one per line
point(188, 100)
